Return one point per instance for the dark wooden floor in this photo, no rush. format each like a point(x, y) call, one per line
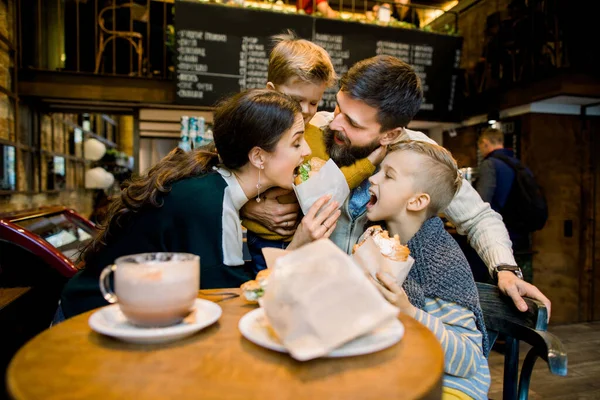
point(582, 342)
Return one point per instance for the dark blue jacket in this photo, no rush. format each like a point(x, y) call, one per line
point(495, 179)
point(494, 184)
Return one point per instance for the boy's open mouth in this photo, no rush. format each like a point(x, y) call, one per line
point(372, 201)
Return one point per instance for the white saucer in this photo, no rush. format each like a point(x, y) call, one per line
point(253, 327)
point(110, 321)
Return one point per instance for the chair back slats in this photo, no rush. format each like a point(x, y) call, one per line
point(502, 317)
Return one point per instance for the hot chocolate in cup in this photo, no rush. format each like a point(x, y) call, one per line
point(153, 289)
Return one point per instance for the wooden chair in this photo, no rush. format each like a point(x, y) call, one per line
point(138, 13)
point(502, 317)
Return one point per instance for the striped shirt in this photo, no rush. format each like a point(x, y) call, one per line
point(466, 368)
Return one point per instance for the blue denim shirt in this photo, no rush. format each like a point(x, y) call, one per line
point(359, 198)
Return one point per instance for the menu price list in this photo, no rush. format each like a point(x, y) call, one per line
point(221, 59)
point(194, 80)
point(435, 59)
point(217, 59)
point(340, 54)
point(254, 63)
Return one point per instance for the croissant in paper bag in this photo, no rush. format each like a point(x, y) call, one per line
point(308, 169)
point(390, 247)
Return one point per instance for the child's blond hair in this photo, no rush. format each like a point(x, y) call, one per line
point(438, 174)
point(294, 57)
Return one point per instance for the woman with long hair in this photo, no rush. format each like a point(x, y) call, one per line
point(190, 202)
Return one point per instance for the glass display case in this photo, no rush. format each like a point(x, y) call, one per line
point(56, 235)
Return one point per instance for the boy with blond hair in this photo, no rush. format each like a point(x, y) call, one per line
point(302, 70)
point(416, 181)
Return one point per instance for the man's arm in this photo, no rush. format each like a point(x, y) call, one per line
point(472, 217)
point(486, 181)
point(482, 225)
point(488, 236)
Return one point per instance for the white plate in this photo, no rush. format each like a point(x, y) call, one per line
point(110, 321)
point(253, 327)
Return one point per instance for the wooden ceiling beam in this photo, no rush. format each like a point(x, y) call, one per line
point(95, 88)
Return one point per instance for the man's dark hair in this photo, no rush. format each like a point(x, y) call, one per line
point(388, 84)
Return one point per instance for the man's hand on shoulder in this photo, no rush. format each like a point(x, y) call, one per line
point(279, 218)
point(516, 288)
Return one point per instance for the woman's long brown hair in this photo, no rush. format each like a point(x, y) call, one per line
point(255, 118)
point(148, 190)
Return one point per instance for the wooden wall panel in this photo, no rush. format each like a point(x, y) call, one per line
point(463, 146)
point(553, 148)
point(594, 304)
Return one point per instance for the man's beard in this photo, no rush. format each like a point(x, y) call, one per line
point(346, 154)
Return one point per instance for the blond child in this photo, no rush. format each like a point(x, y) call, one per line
point(302, 70)
point(416, 181)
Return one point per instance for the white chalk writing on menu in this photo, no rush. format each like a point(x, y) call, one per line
point(254, 63)
point(334, 45)
point(419, 56)
point(453, 80)
point(192, 66)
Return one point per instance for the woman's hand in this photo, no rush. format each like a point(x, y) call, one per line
point(394, 294)
point(318, 223)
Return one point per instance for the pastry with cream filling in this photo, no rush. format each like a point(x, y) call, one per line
point(390, 247)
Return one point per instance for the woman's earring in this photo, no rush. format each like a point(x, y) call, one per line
point(258, 185)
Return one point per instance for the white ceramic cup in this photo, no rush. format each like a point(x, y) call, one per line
point(153, 289)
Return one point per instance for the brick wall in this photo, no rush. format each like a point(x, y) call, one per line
point(553, 148)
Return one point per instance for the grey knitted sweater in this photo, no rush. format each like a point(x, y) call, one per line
point(442, 271)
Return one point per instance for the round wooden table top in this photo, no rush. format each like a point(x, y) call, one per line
point(70, 361)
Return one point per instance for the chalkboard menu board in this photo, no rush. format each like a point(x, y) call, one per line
point(435, 58)
point(222, 50)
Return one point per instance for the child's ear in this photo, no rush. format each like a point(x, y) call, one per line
point(390, 136)
point(418, 202)
point(270, 86)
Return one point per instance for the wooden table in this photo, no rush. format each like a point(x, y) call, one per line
point(70, 361)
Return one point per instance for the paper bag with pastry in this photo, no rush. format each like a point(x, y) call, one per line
point(317, 178)
point(377, 252)
point(318, 300)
